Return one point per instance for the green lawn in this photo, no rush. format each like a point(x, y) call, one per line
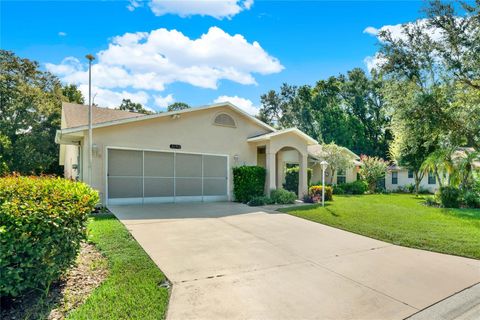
point(401, 219)
point(131, 290)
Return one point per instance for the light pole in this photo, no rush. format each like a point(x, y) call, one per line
point(324, 165)
point(90, 58)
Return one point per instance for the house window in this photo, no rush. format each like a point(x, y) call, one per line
point(341, 176)
point(225, 120)
point(431, 178)
point(394, 177)
point(410, 174)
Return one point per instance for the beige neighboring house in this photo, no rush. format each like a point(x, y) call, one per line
point(178, 156)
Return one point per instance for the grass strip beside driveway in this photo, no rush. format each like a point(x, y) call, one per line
point(401, 219)
point(132, 289)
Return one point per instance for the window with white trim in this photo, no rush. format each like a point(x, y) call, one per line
point(341, 176)
point(394, 177)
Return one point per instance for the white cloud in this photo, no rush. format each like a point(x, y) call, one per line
point(164, 102)
point(152, 60)
point(62, 34)
point(244, 104)
point(113, 99)
point(397, 33)
point(133, 4)
point(215, 8)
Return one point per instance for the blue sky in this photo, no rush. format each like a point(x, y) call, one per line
point(299, 42)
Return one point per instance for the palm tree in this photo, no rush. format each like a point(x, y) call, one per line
point(464, 164)
point(440, 161)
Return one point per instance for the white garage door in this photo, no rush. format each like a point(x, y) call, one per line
point(155, 176)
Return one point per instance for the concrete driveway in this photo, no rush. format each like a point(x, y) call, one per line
point(230, 261)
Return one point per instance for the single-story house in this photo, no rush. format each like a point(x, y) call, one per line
point(178, 156)
point(398, 177)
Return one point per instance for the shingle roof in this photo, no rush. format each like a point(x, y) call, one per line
point(76, 115)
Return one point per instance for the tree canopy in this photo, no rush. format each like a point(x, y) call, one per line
point(128, 105)
point(177, 106)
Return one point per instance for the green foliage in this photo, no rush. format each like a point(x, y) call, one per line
point(260, 201)
point(282, 196)
point(355, 187)
point(315, 192)
point(471, 199)
point(338, 189)
point(128, 105)
point(71, 93)
point(334, 110)
point(336, 156)
point(248, 182)
point(372, 171)
point(450, 197)
point(177, 106)
point(291, 179)
point(30, 101)
point(42, 221)
point(431, 201)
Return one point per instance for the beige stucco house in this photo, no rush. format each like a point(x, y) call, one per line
point(178, 156)
point(398, 178)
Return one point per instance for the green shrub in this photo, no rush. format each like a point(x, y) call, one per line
point(355, 187)
point(450, 197)
point(431, 201)
point(471, 199)
point(259, 201)
point(282, 196)
point(291, 179)
point(248, 182)
point(42, 222)
point(315, 193)
point(338, 189)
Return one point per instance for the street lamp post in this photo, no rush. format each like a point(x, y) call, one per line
point(324, 165)
point(90, 58)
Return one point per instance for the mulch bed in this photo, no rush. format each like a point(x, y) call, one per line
point(66, 294)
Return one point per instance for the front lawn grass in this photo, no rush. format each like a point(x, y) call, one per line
point(132, 289)
point(401, 219)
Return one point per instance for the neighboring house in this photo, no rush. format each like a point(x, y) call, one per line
point(398, 178)
point(178, 156)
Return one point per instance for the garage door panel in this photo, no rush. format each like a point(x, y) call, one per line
point(215, 187)
point(214, 166)
point(125, 163)
point(125, 187)
point(159, 187)
point(188, 165)
point(159, 164)
point(188, 187)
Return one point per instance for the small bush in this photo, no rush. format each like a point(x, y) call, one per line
point(316, 193)
point(471, 199)
point(338, 189)
point(355, 187)
point(431, 201)
point(422, 190)
point(42, 222)
point(282, 196)
point(450, 197)
point(291, 179)
point(248, 182)
point(307, 199)
point(259, 201)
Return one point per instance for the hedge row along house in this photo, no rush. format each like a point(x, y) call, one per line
point(184, 155)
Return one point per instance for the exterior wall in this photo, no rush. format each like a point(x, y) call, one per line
point(194, 131)
point(350, 174)
point(404, 180)
point(71, 158)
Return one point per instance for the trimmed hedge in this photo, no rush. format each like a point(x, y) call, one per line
point(248, 182)
point(355, 187)
point(42, 222)
point(291, 179)
point(315, 193)
point(282, 196)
